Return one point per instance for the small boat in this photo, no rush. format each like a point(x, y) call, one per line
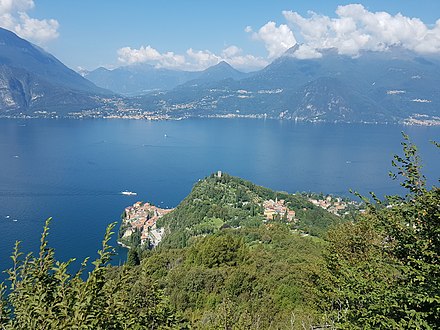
point(128, 193)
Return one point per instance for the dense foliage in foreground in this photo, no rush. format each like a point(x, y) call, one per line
point(386, 267)
point(43, 295)
point(379, 271)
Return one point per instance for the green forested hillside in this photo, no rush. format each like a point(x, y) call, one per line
point(227, 201)
point(249, 278)
point(224, 265)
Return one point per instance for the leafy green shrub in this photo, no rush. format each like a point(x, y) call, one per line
point(43, 295)
point(385, 268)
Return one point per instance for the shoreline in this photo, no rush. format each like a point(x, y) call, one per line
point(123, 245)
point(413, 122)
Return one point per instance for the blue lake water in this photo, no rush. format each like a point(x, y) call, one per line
point(74, 170)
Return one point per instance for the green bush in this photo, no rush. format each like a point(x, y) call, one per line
point(385, 268)
point(42, 295)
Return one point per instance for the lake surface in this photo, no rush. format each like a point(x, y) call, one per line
point(74, 170)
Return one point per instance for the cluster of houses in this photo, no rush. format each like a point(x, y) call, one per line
point(277, 209)
point(142, 217)
point(334, 205)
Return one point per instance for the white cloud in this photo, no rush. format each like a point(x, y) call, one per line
point(150, 55)
point(143, 54)
point(306, 52)
point(201, 58)
point(191, 59)
point(171, 60)
point(352, 30)
point(9, 6)
point(276, 39)
point(233, 55)
point(37, 30)
point(355, 29)
point(14, 17)
point(231, 51)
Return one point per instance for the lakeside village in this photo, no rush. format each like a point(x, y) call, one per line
point(139, 225)
point(120, 108)
point(139, 220)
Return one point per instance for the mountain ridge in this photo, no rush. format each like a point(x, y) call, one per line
point(397, 86)
point(138, 79)
point(33, 80)
point(374, 87)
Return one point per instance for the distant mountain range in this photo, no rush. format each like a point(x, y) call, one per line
point(141, 79)
point(32, 80)
point(374, 87)
point(138, 79)
point(391, 86)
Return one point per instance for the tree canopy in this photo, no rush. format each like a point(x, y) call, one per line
point(386, 267)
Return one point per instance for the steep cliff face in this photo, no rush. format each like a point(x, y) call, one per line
point(33, 80)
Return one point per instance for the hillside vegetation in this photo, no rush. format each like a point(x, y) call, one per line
point(231, 202)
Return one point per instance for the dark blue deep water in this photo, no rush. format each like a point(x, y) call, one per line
point(74, 170)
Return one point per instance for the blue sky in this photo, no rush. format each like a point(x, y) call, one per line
point(193, 34)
